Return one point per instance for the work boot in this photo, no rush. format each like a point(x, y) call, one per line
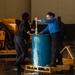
point(59, 63)
point(52, 65)
point(20, 69)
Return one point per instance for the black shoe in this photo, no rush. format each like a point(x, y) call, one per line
point(52, 65)
point(59, 63)
point(20, 69)
point(17, 65)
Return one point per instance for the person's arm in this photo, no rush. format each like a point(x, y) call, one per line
point(45, 30)
point(47, 21)
point(24, 29)
point(36, 19)
point(39, 20)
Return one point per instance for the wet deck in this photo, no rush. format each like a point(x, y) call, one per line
point(8, 69)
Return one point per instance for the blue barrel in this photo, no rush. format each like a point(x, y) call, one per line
point(41, 50)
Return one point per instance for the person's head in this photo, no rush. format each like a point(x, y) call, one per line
point(59, 18)
point(25, 16)
point(50, 15)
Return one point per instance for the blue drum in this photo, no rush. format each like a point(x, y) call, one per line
point(41, 50)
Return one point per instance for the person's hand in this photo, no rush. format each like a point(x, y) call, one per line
point(40, 33)
point(36, 18)
point(31, 34)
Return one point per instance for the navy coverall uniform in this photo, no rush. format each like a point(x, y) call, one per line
point(20, 40)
